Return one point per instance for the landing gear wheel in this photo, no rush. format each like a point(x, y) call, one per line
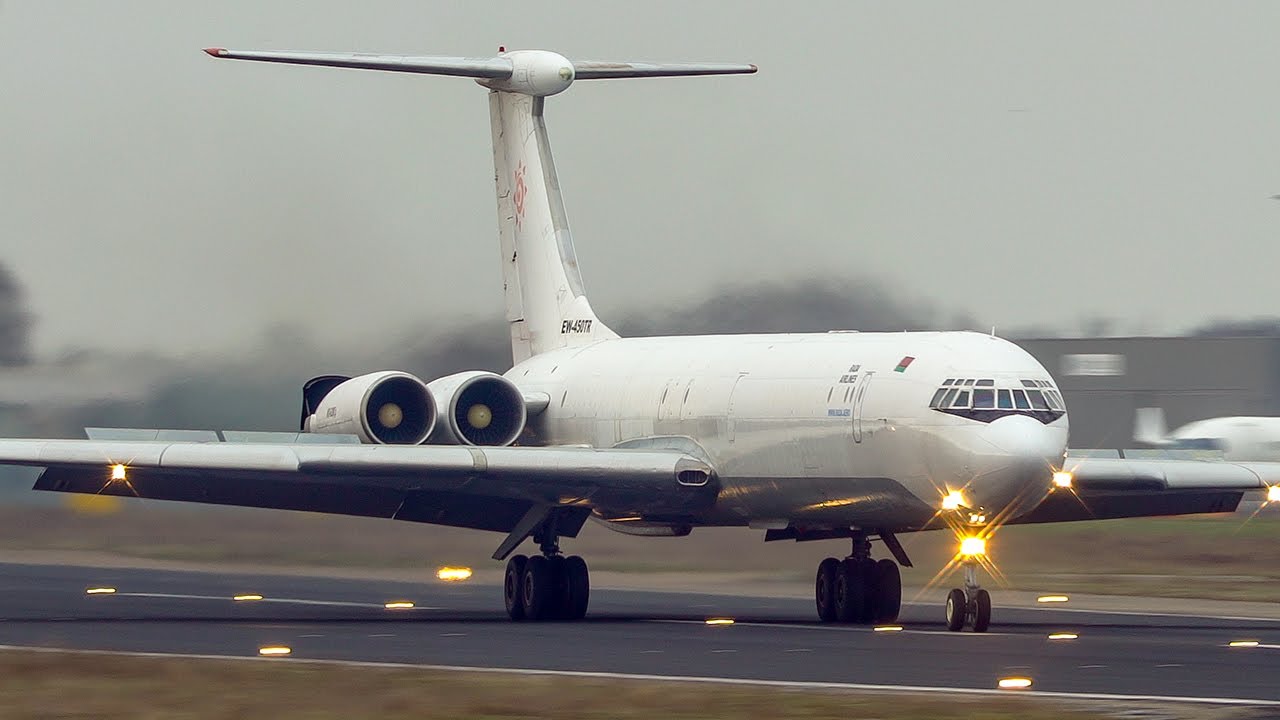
point(578, 586)
point(981, 611)
point(558, 603)
point(957, 610)
point(538, 589)
point(870, 592)
point(825, 589)
point(513, 586)
point(851, 590)
point(888, 592)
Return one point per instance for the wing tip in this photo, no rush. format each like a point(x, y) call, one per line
point(215, 51)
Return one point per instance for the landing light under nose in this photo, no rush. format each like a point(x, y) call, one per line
point(1063, 479)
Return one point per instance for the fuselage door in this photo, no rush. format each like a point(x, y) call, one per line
point(858, 397)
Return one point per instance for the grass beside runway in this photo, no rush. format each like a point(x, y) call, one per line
point(50, 684)
point(1224, 557)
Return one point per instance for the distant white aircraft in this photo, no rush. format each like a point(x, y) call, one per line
point(807, 436)
point(1238, 438)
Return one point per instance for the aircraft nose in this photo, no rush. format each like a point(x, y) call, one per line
point(1013, 460)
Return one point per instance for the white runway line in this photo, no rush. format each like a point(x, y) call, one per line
point(1131, 613)
point(788, 684)
point(866, 629)
point(267, 600)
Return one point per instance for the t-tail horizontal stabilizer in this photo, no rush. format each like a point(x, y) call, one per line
point(529, 72)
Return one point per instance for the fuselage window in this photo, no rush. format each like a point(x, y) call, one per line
point(1020, 400)
point(1037, 400)
point(1053, 402)
point(968, 382)
point(984, 398)
point(949, 381)
point(1028, 383)
point(1004, 400)
point(986, 383)
point(962, 400)
point(937, 398)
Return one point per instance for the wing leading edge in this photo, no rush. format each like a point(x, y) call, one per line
point(1114, 487)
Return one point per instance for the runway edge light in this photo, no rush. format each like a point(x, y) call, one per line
point(274, 651)
point(1014, 683)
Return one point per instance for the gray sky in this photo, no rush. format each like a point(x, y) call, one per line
point(1025, 163)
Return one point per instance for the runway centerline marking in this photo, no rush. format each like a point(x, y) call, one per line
point(708, 680)
point(1131, 613)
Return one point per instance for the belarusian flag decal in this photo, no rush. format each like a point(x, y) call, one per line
point(904, 363)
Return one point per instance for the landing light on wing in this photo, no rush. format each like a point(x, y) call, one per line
point(1273, 494)
point(119, 472)
point(1063, 479)
point(953, 500)
point(973, 547)
point(454, 574)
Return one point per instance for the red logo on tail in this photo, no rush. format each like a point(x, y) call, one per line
point(519, 194)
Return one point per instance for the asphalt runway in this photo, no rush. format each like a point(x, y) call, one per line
point(657, 633)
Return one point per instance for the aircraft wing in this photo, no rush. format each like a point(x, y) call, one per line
point(506, 489)
point(1120, 487)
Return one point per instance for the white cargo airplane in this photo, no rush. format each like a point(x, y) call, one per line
point(1236, 437)
point(807, 436)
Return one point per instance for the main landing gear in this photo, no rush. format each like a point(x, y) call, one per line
point(970, 606)
point(858, 589)
point(549, 586)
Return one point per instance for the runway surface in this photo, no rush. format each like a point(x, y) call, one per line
point(658, 633)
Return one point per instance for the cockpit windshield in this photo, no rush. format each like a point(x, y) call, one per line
point(985, 399)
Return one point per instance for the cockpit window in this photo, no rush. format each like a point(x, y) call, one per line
point(984, 398)
point(1037, 400)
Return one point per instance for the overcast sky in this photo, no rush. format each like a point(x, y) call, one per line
point(1026, 163)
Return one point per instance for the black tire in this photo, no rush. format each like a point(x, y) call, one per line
point(538, 589)
point(558, 602)
point(888, 599)
point(956, 610)
point(513, 587)
point(981, 611)
point(578, 584)
point(851, 591)
point(824, 589)
point(865, 610)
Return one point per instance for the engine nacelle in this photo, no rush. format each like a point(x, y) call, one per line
point(477, 408)
point(385, 408)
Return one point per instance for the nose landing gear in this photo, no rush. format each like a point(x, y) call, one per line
point(858, 589)
point(970, 606)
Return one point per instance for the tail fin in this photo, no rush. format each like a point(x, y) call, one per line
point(1149, 426)
point(546, 305)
